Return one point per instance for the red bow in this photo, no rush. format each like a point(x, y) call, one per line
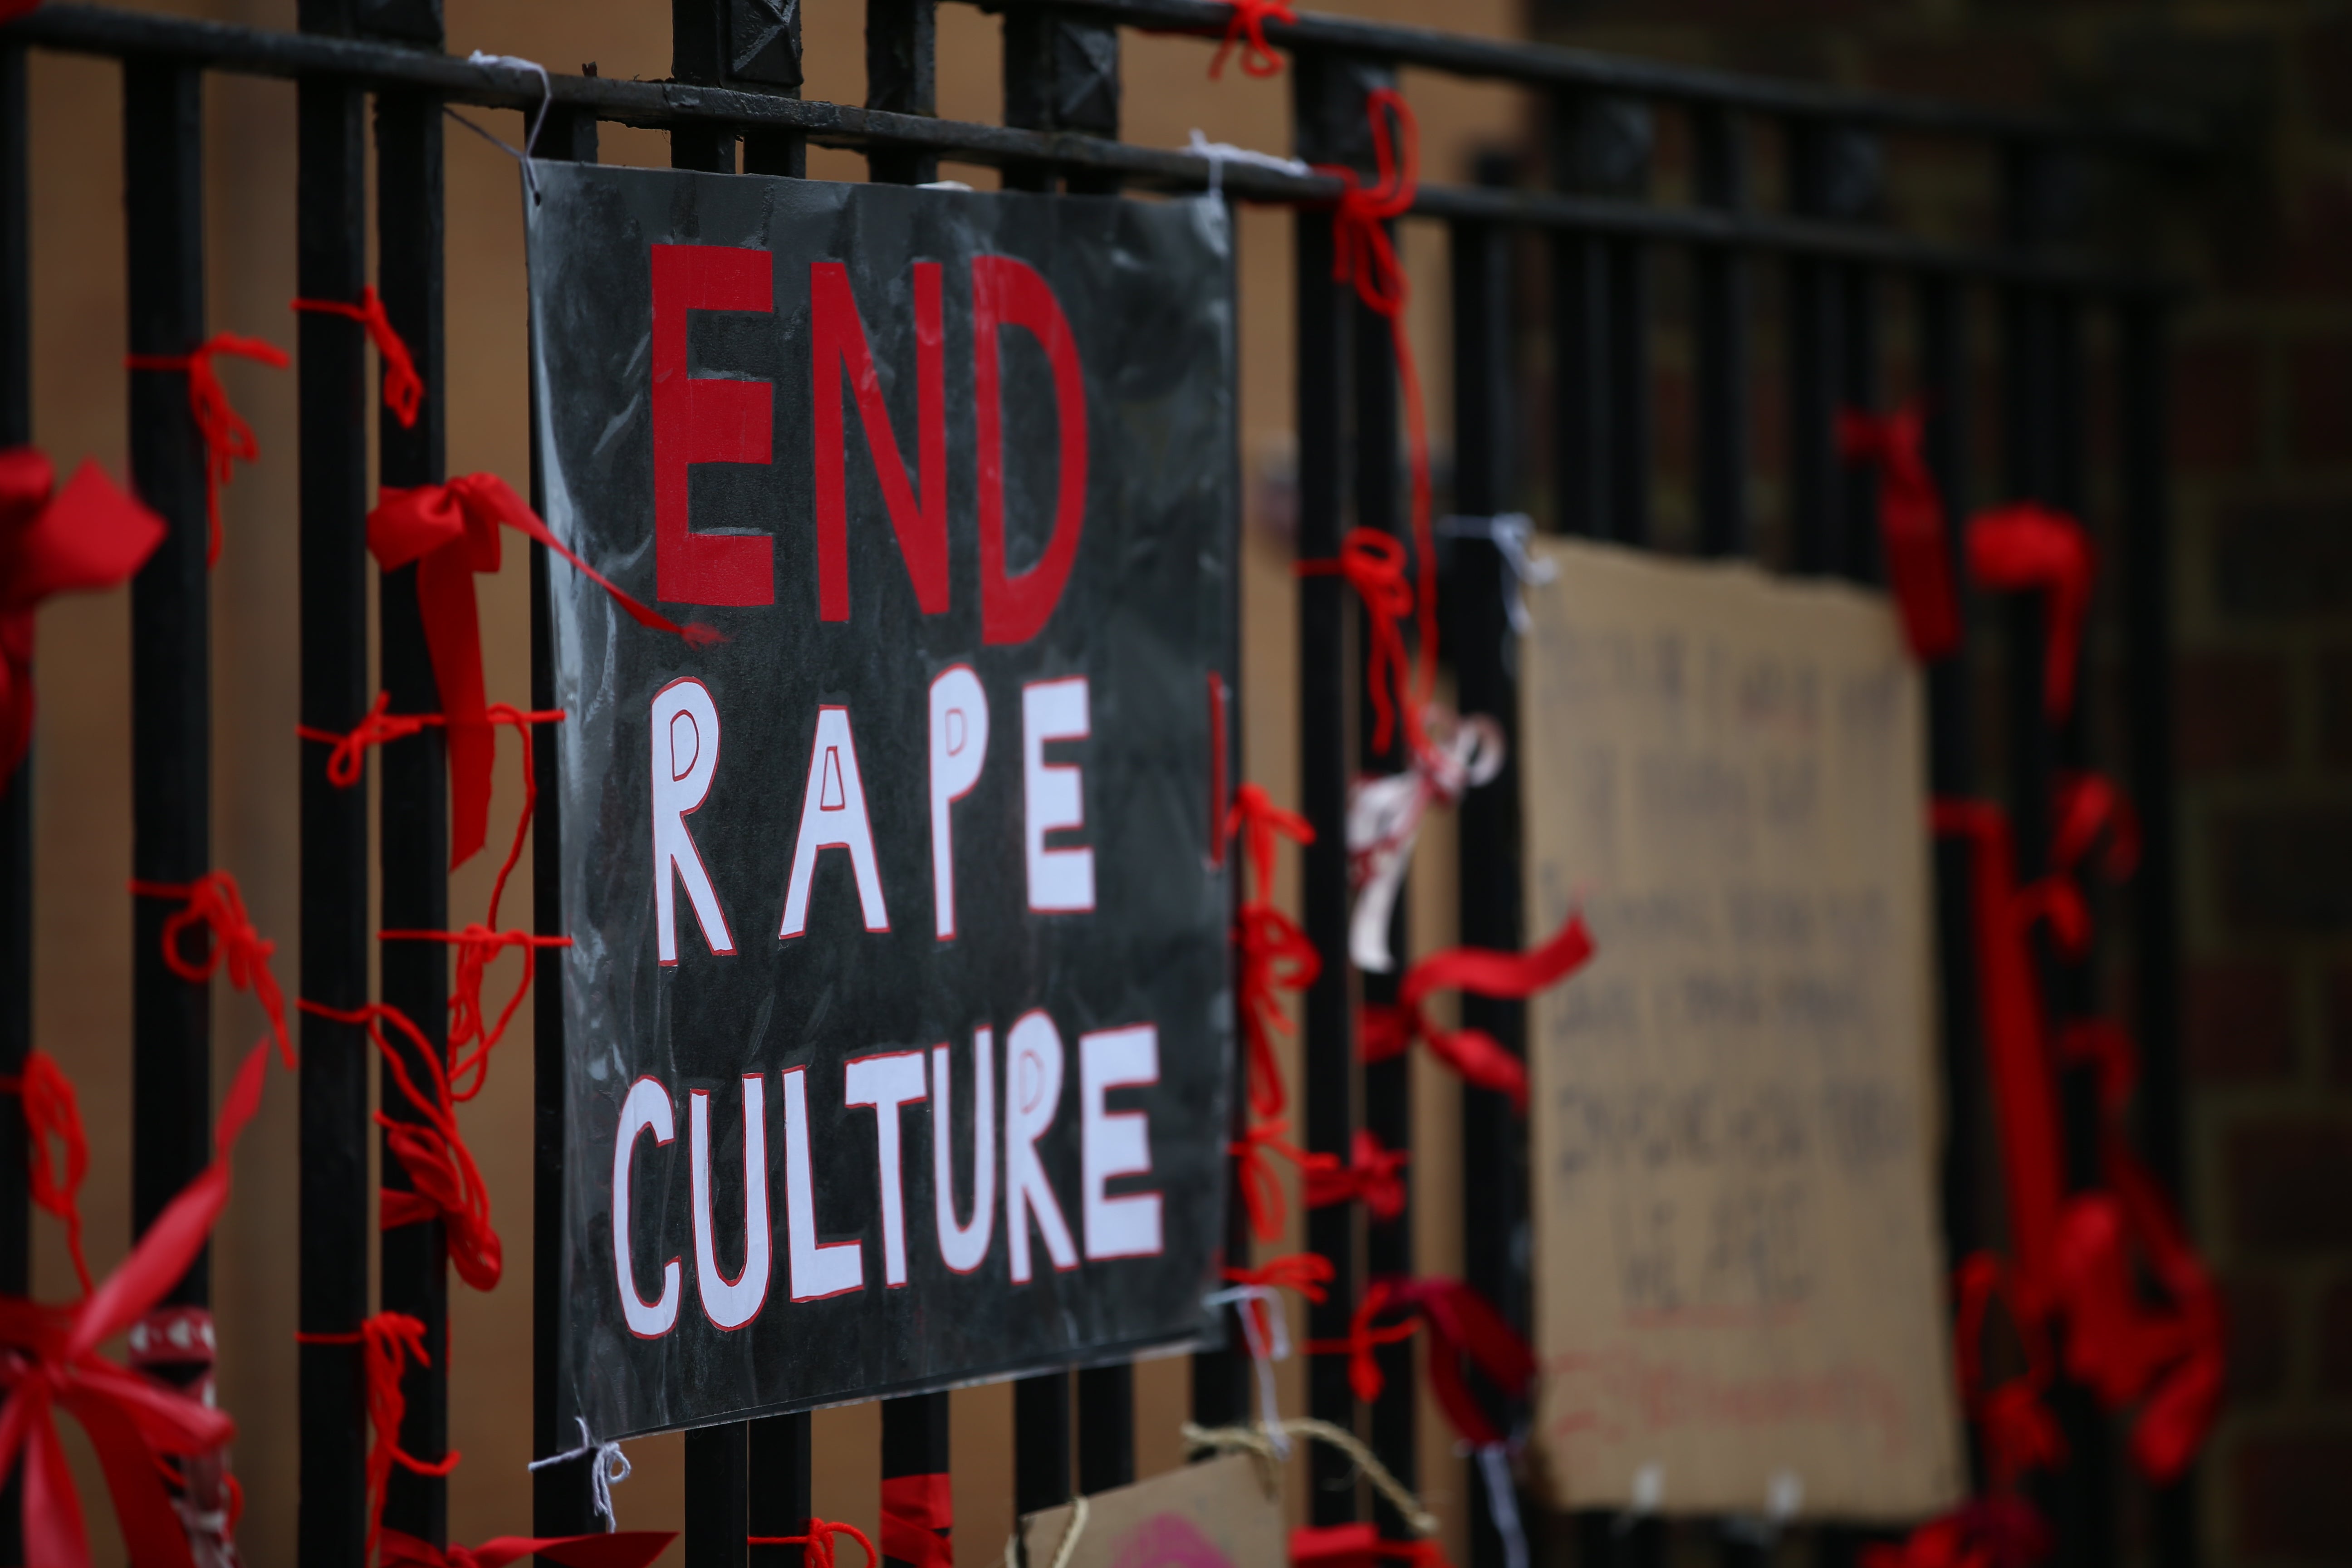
point(1475, 1055)
point(819, 1542)
point(448, 1185)
point(51, 1360)
point(1356, 1546)
point(90, 535)
point(1996, 1533)
point(620, 1548)
point(1465, 1324)
point(386, 1340)
point(403, 389)
point(213, 901)
point(915, 1511)
point(2028, 545)
point(1364, 1337)
point(1273, 952)
point(227, 439)
point(451, 532)
point(1247, 29)
point(1371, 1174)
point(1911, 522)
point(52, 1109)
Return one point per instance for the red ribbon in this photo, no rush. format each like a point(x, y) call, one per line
point(2029, 546)
point(1356, 1546)
point(1366, 1336)
point(1475, 1055)
point(450, 531)
point(227, 439)
point(52, 1111)
point(386, 1341)
point(448, 1185)
point(1272, 951)
point(916, 1513)
point(1911, 522)
point(1994, 1532)
point(403, 389)
point(2020, 1434)
point(1464, 1325)
point(1371, 1174)
point(1247, 29)
point(819, 1542)
point(1304, 1272)
point(1260, 1189)
point(89, 535)
point(52, 1361)
point(214, 902)
point(619, 1549)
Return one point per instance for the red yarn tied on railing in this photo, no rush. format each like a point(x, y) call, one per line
point(1304, 1272)
point(1371, 1173)
point(1247, 29)
point(448, 1185)
point(1994, 1532)
point(917, 1511)
point(1260, 1189)
point(1365, 1335)
point(1273, 952)
point(53, 1112)
point(227, 439)
point(133, 1420)
point(2019, 1433)
point(2088, 808)
point(387, 1342)
point(449, 532)
point(403, 389)
point(617, 1549)
point(1476, 1055)
point(86, 536)
point(1464, 1326)
point(1357, 1546)
point(214, 902)
point(819, 1542)
point(2031, 547)
point(1911, 523)
point(1363, 256)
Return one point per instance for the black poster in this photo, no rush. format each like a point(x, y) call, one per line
point(898, 1020)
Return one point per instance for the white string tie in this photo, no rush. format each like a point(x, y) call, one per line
point(1384, 814)
point(1510, 533)
point(1220, 153)
point(530, 147)
point(1262, 1355)
point(1503, 1502)
point(610, 1467)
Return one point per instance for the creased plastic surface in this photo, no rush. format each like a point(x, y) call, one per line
point(1146, 618)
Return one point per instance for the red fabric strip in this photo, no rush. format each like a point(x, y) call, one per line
point(1464, 1325)
point(227, 439)
point(918, 1516)
point(53, 1111)
point(618, 1549)
point(2028, 547)
point(1911, 523)
point(1473, 1054)
point(403, 389)
point(1247, 29)
point(90, 535)
point(1356, 1546)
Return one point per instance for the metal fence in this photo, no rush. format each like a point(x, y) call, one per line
point(1598, 236)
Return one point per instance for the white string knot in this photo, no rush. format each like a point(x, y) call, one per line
point(530, 139)
point(1262, 1355)
point(1510, 533)
point(610, 1467)
point(1384, 816)
point(1220, 153)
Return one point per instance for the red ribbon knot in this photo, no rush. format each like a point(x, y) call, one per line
point(1476, 1055)
point(917, 1513)
point(1272, 954)
point(387, 1342)
point(449, 532)
point(227, 439)
point(819, 1542)
point(88, 536)
point(1373, 1173)
point(1246, 28)
point(1364, 1338)
point(1306, 1272)
point(618, 1549)
point(214, 902)
point(1910, 522)
point(403, 389)
point(2027, 547)
point(53, 1111)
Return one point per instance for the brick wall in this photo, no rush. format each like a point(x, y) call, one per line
point(2263, 452)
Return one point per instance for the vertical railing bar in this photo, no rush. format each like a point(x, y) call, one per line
point(1495, 1196)
point(1815, 356)
point(2144, 398)
point(697, 52)
point(332, 265)
point(1325, 112)
point(561, 1498)
point(412, 841)
point(902, 78)
point(717, 1495)
point(16, 793)
point(914, 1443)
point(1725, 527)
point(1105, 1429)
point(1041, 1442)
point(778, 1451)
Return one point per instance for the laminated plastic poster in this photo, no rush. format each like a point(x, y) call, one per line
point(899, 1024)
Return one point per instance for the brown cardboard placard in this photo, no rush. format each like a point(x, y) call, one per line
point(1216, 1514)
point(1739, 1291)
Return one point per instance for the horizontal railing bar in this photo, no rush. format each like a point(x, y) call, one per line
point(1556, 66)
point(660, 105)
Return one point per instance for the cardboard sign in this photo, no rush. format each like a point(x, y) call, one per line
point(898, 1020)
point(1216, 1514)
point(1740, 1299)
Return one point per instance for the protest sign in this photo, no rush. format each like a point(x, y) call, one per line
point(897, 1025)
point(1218, 1514)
